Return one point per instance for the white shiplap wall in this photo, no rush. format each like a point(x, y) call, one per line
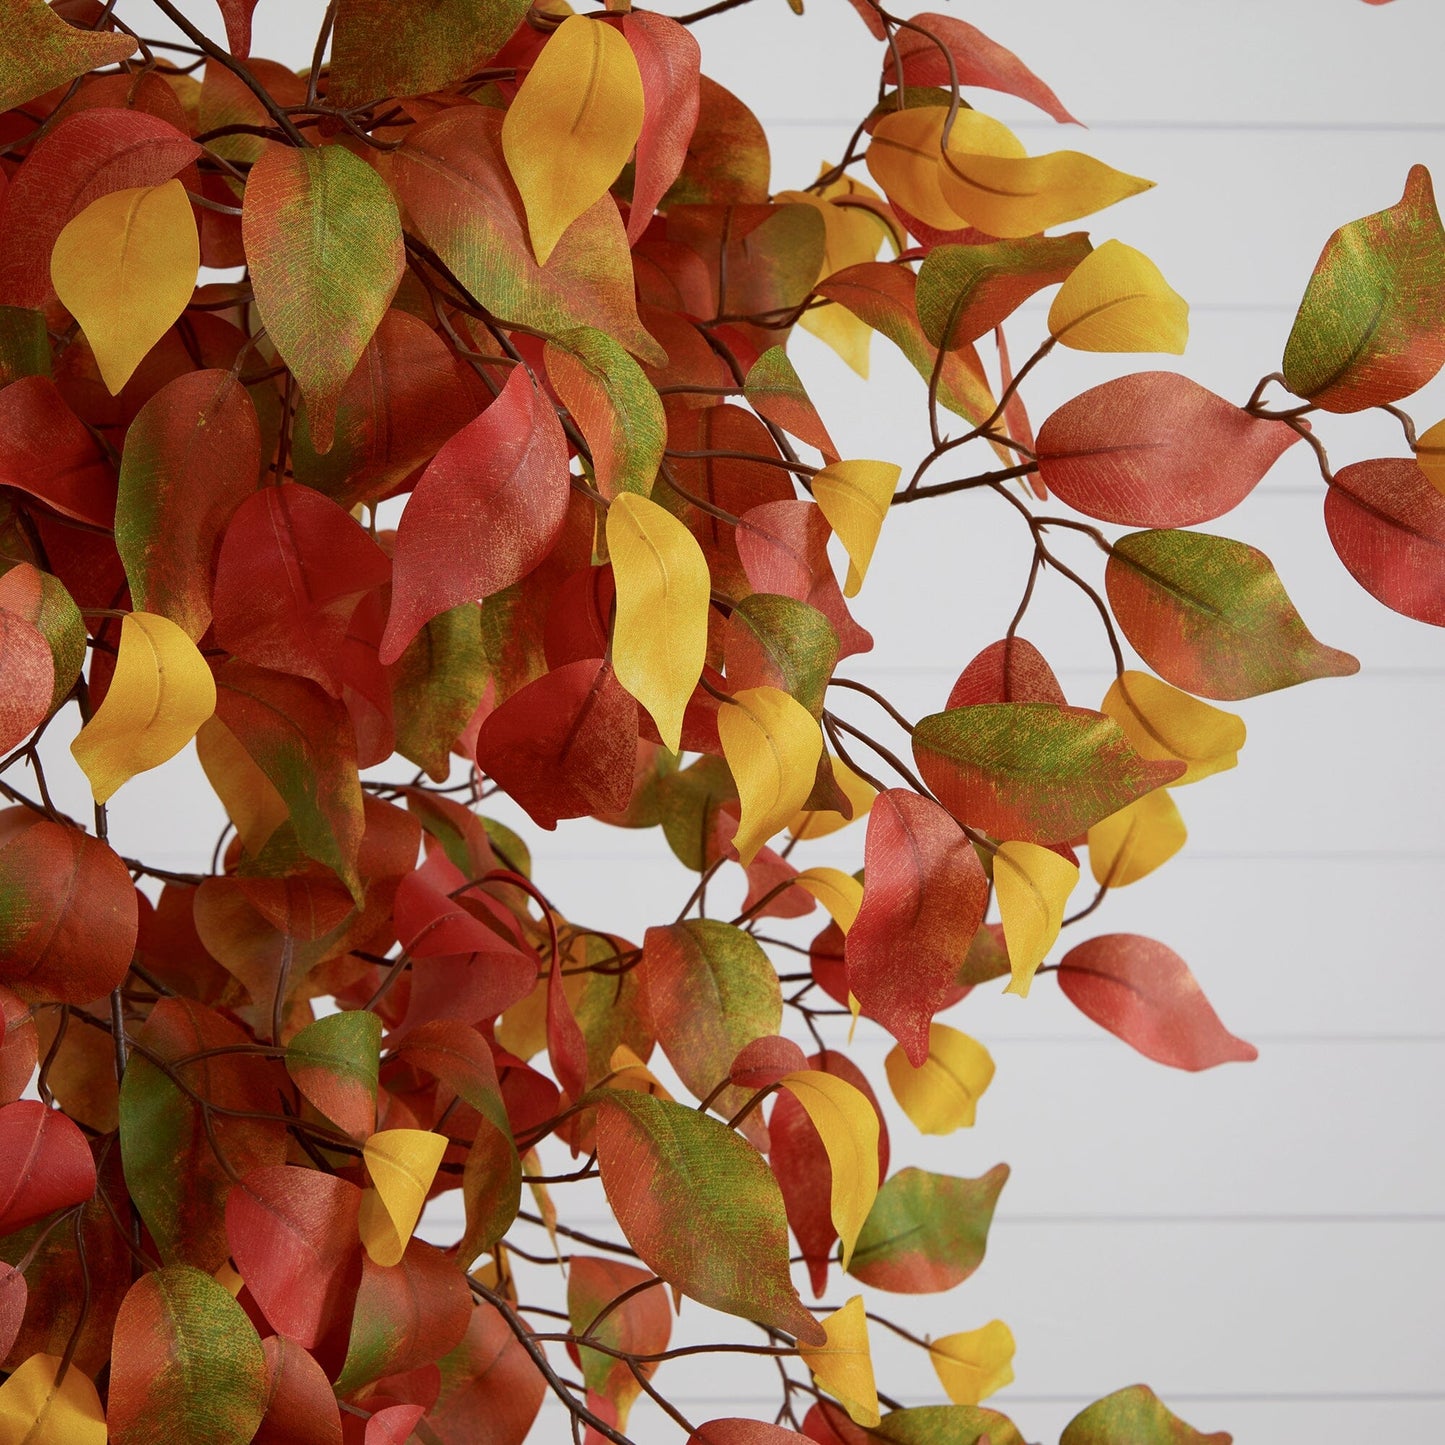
point(1263, 1244)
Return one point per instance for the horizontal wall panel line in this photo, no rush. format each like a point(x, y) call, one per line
point(1202, 127)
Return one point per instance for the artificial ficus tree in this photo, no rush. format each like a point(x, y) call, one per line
point(491, 455)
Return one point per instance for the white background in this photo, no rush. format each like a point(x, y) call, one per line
point(1264, 1244)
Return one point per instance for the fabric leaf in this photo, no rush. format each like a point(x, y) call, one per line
point(943, 1094)
point(772, 744)
point(1116, 299)
point(1033, 885)
point(843, 1365)
point(402, 1164)
point(855, 498)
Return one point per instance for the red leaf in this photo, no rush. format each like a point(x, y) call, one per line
point(828, 1424)
point(47, 453)
point(803, 1171)
point(924, 896)
point(408, 394)
point(28, 667)
point(237, 15)
point(71, 929)
point(18, 1051)
point(977, 61)
point(1155, 449)
point(293, 1237)
point(784, 549)
point(1387, 523)
point(85, 157)
point(486, 511)
point(737, 1431)
point(291, 568)
point(12, 1306)
point(1009, 670)
point(491, 1390)
point(192, 456)
point(47, 1164)
point(668, 59)
point(764, 1061)
point(300, 1406)
point(565, 746)
point(393, 1424)
point(407, 1315)
point(1144, 993)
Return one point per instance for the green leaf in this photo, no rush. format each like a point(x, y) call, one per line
point(382, 48)
point(334, 1062)
point(39, 51)
point(187, 1366)
point(170, 1142)
point(1371, 327)
point(24, 344)
point(927, 1232)
point(701, 1208)
point(776, 641)
point(1211, 616)
point(965, 291)
point(436, 686)
point(614, 405)
point(711, 990)
point(689, 801)
point(1134, 1416)
point(948, 1425)
point(324, 247)
point(1036, 772)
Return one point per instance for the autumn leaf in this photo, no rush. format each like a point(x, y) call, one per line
point(125, 268)
point(855, 497)
point(640, 1325)
point(1130, 844)
point(402, 1164)
point(1116, 299)
point(161, 693)
point(29, 669)
point(52, 1168)
point(324, 251)
point(187, 1364)
point(1161, 722)
point(1032, 885)
point(301, 1408)
point(941, 1095)
point(44, 602)
point(673, 1177)
point(924, 896)
point(491, 503)
point(1156, 450)
point(1211, 616)
point(334, 1063)
point(39, 50)
point(39, 1406)
point(576, 117)
point(974, 1364)
point(668, 64)
point(1137, 1414)
point(843, 1365)
point(1369, 328)
point(927, 1232)
point(772, 744)
point(840, 893)
point(659, 636)
point(1145, 994)
point(775, 391)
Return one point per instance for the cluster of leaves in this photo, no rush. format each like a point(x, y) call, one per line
point(522, 268)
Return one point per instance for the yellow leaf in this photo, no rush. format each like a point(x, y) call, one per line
point(855, 498)
point(629, 1072)
point(843, 1366)
point(125, 268)
point(807, 826)
point(988, 180)
point(227, 1277)
point(161, 692)
point(402, 1164)
point(35, 1411)
point(846, 334)
point(522, 1030)
point(1032, 884)
point(1163, 723)
point(974, 1364)
point(839, 892)
point(848, 1126)
point(942, 1095)
point(1116, 299)
point(249, 797)
point(1430, 454)
point(772, 744)
point(572, 126)
point(904, 157)
point(659, 637)
point(1130, 844)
